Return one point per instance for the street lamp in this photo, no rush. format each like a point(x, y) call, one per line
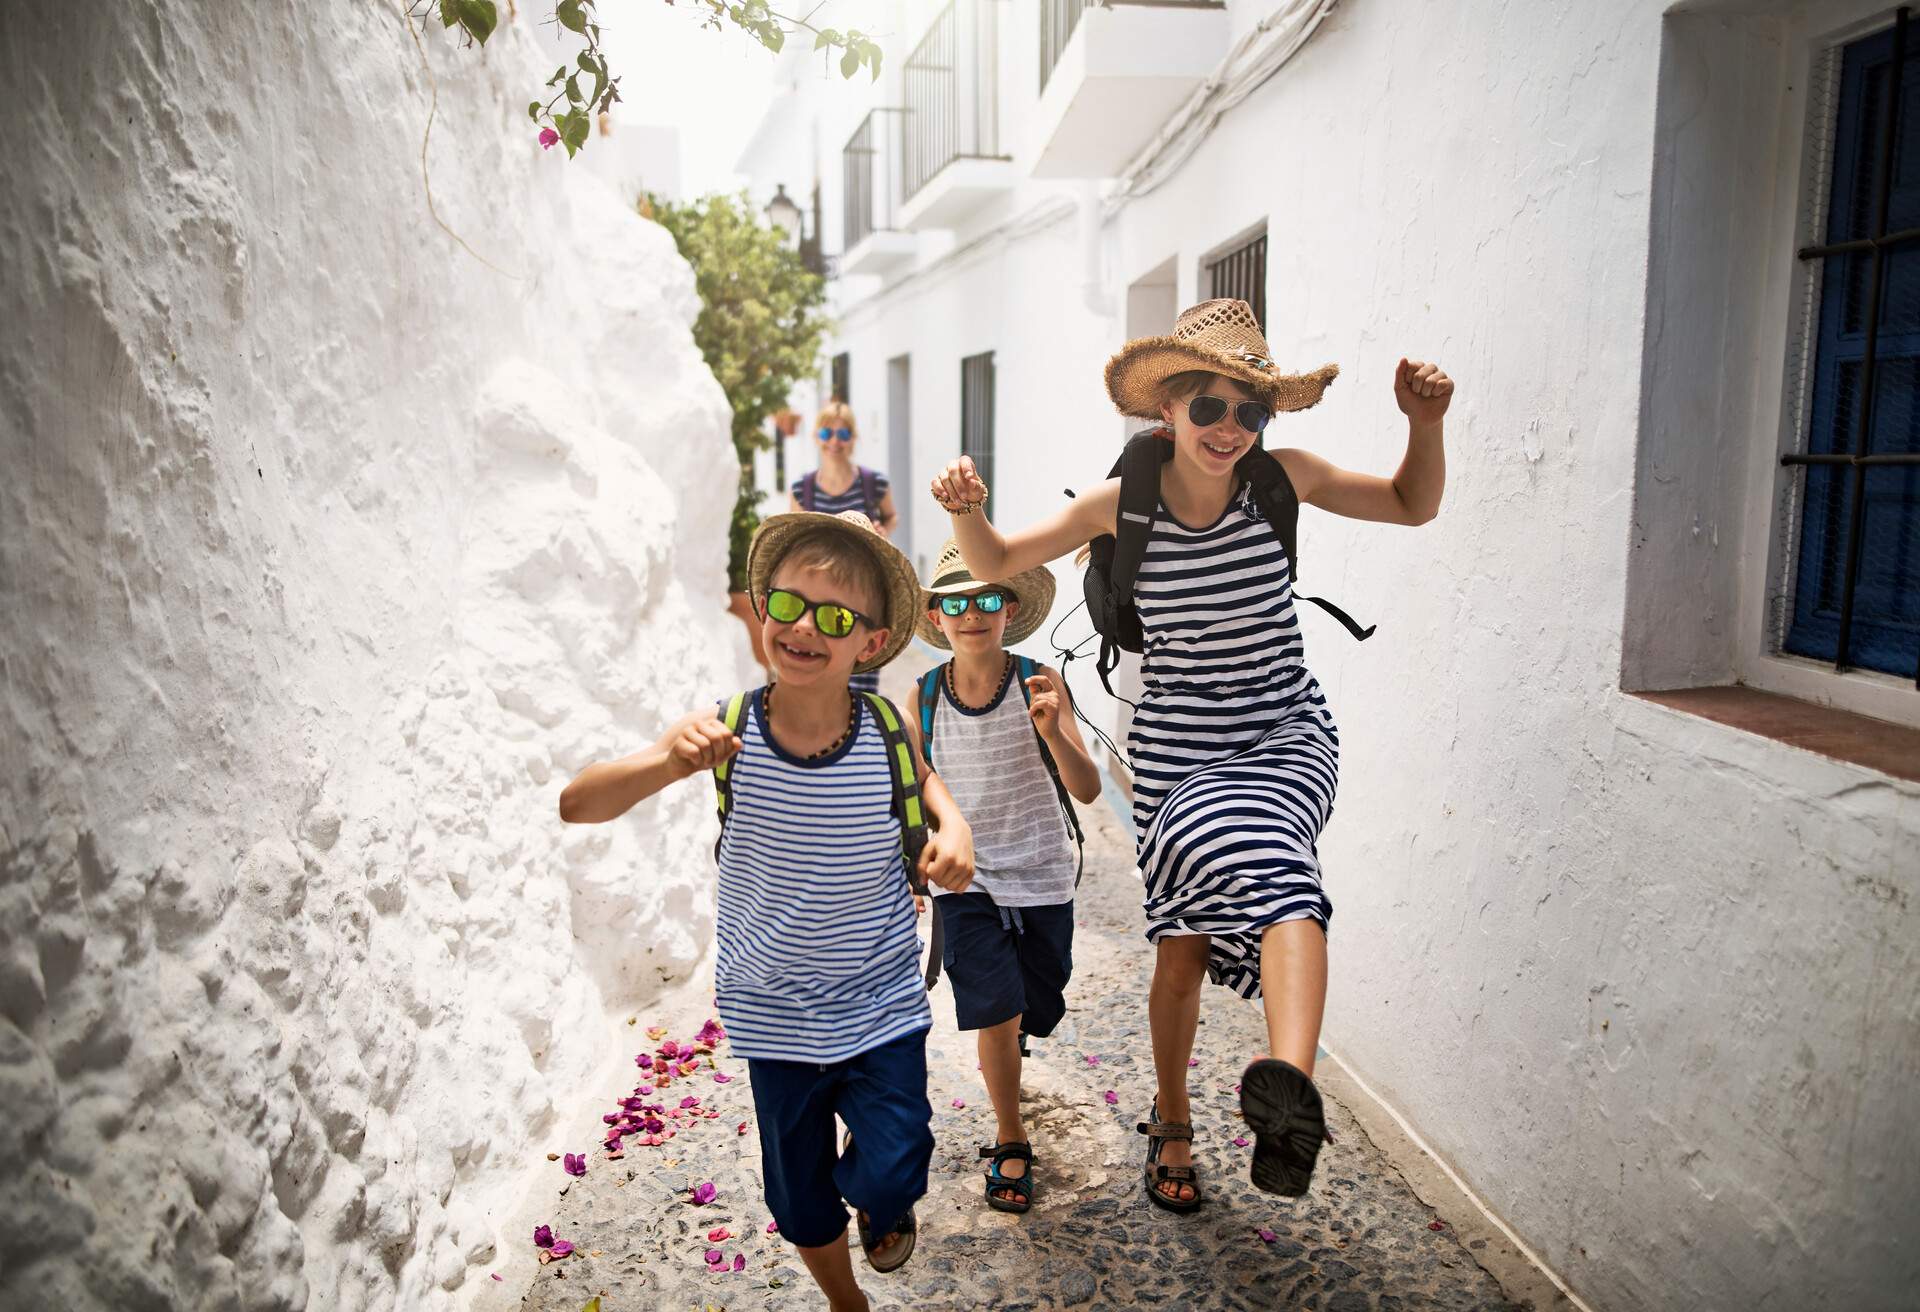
point(782, 213)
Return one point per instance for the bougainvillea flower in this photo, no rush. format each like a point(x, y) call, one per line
point(669, 1049)
point(721, 1077)
point(712, 1032)
point(644, 1089)
point(719, 1235)
point(1240, 1142)
point(715, 1257)
point(1193, 1061)
point(959, 1102)
point(739, 1261)
point(616, 1155)
point(1113, 1099)
point(689, 1101)
point(773, 1227)
point(610, 1118)
point(543, 1236)
point(656, 1032)
point(1093, 1059)
point(703, 1192)
point(688, 1067)
point(655, 1125)
point(1268, 1236)
point(743, 1127)
point(1436, 1225)
point(548, 138)
point(561, 1248)
point(576, 1164)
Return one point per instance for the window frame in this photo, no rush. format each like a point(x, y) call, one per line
point(1249, 246)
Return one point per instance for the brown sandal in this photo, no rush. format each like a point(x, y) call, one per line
point(1159, 1132)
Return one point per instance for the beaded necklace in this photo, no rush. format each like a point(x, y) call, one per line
point(853, 720)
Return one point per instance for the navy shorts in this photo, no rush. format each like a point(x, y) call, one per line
point(882, 1096)
point(1006, 961)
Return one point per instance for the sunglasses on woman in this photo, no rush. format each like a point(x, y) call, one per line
point(956, 605)
point(836, 435)
point(830, 617)
point(1206, 411)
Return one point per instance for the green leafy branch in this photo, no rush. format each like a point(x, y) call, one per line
point(771, 29)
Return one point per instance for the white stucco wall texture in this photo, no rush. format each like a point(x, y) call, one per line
point(328, 552)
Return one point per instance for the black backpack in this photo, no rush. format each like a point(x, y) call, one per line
point(1114, 560)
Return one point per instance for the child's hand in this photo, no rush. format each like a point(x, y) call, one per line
point(1045, 707)
point(958, 487)
point(947, 859)
point(1423, 391)
point(701, 745)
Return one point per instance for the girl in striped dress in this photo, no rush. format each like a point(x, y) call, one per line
point(1234, 752)
point(839, 485)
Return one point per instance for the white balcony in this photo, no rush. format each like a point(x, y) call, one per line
point(1119, 77)
point(951, 161)
point(881, 253)
point(955, 192)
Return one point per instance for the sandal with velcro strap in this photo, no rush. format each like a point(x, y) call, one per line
point(1022, 1185)
point(1289, 1124)
point(1155, 1175)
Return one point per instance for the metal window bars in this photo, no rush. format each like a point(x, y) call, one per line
point(952, 84)
point(1878, 243)
point(1241, 273)
point(870, 175)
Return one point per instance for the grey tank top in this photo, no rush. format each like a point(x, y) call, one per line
point(990, 761)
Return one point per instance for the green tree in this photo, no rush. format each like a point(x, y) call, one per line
point(760, 328)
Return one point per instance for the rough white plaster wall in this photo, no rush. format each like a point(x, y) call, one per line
point(327, 554)
point(1649, 983)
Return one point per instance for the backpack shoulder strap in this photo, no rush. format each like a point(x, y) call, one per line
point(906, 785)
point(1273, 493)
point(929, 698)
point(733, 715)
point(1024, 669)
point(1139, 471)
point(870, 492)
point(809, 481)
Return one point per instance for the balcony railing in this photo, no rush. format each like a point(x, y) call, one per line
point(870, 176)
point(952, 93)
point(1058, 19)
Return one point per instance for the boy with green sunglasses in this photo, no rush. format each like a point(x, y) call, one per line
point(817, 969)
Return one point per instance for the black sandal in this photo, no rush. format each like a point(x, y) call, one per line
point(1289, 1124)
point(1156, 1175)
point(1020, 1151)
point(907, 1228)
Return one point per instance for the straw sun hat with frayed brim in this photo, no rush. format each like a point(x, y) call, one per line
point(1032, 588)
point(778, 534)
point(1220, 337)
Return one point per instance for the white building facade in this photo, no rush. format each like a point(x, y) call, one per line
point(1634, 960)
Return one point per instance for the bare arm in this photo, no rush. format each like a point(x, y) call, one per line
point(889, 517)
point(992, 556)
point(1054, 720)
point(1412, 495)
point(947, 859)
point(609, 789)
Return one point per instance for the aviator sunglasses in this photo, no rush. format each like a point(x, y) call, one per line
point(836, 435)
point(830, 617)
point(988, 602)
point(1206, 411)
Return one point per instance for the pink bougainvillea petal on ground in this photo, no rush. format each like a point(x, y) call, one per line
point(739, 1261)
point(688, 1067)
point(959, 1103)
point(703, 1192)
point(1436, 1225)
point(543, 1236)
point(496, 1275)
point(644, 1090)
point(715, 1257)
point(719, 1235)
point(743, 1127)
point(1113, 1099)
point(1240, 1142)
point(1193, 1061)
point(656, 1032)
point(576, 1164)
point(1093, 1060)
point(561, 1248)
point(689, 1102)
point(773, 1227)
point(1268, 1236)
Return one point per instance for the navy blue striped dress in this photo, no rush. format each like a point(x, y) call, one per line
point(834, 503)
point(1234, 753)
point(818, 956)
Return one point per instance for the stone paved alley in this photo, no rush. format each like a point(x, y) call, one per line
point(1362, 1240)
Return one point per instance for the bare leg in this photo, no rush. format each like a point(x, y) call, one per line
point(1293, 985)
point(1000, 1067)
point(832, 1268)
point(1173, 1013)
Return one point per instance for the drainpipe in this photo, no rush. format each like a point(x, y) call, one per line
point(1094, 291)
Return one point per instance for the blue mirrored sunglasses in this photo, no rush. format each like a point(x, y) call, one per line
point(988, 602)
point(836, 435)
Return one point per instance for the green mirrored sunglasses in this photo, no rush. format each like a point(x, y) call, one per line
point(830, 617)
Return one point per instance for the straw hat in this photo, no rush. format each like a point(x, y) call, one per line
point(902, 602)
point(1032, 588)
point(1221, 337)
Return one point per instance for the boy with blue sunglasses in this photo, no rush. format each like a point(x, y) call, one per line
point(1007, 941)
